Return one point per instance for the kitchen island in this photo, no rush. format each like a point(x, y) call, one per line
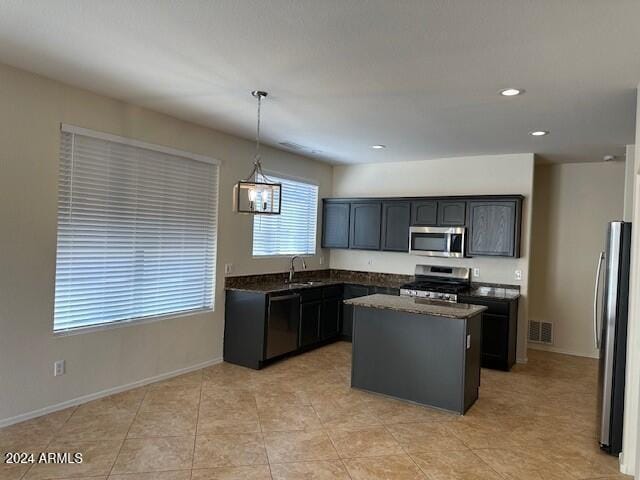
point(423, 351)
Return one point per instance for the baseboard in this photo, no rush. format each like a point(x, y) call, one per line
point(522, 360)
point(551, 348)
point(104, 393)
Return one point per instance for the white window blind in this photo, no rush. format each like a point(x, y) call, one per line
point(136, 231)
point(293, 232)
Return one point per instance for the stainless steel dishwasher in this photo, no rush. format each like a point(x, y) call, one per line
point(283, 324)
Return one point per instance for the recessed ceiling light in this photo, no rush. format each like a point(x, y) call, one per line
point(511, 92)
point(539, 133)
point(378, 147)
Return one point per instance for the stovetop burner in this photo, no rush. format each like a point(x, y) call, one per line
point(439, 283)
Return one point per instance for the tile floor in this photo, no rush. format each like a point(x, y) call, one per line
point(299, 419)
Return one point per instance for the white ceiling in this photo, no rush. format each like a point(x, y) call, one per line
point(419, 76)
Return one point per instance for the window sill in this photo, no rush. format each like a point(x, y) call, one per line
point(127, 323)
point(286, 255)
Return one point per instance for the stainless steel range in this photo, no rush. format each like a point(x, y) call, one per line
point(438, 283)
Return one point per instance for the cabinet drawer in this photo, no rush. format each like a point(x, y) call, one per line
point(334, 291)
point(494, 307)
point(310, 294)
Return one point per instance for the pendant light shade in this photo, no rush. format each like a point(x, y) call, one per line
point(257, 194)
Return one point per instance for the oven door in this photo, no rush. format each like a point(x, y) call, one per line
point(437, 241)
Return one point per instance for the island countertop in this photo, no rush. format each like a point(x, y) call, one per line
point(419, 306)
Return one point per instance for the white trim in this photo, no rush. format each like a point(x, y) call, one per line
point(550, 348)
point(5, 422)
point(522, 361)
point(137, 143)
point(66, 332)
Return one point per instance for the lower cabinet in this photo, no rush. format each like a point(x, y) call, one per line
point(355, 291)
point(310, 323)
point(330, 318)
point(499, 332)
point(320, 315)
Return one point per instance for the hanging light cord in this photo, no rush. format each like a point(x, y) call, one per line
point(257, 174)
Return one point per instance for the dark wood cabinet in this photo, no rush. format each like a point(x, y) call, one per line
point(396, 217)
point(451, 213)
point(310, 322)
point(494, 228)
point(424, 213)
point(365, 220)
point(335, 224)
point(493, 222)
point(499, 331)
point(330, 318)
point(351, 291)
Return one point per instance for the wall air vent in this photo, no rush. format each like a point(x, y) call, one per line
point(293, 146)
point(541, 332)
point(300, 148)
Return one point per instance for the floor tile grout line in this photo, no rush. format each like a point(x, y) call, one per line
point(75, 407)
point(195, 433)
point(115, 460)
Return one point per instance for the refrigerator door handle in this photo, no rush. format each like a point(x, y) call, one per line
point(596, 294)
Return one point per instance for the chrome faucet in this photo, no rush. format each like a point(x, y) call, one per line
point(292, 270)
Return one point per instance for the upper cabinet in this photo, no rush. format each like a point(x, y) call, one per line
point(365, 225)
point(424, 213)
point(451, 213)
point(494, 227)
point(395, 226)
point(493, 222)
point(335, 224)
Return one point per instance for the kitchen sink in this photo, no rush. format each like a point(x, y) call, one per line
point(305, 284)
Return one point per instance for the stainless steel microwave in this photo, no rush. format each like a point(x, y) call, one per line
point(437, 241)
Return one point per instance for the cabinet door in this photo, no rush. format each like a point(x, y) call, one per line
point(424, 212)
point(365, 226)
point(495, 338)
point(492, 228)
point(451, 213)
point(335, 225)
point(330, 318)
point(351, 291)
point(395, 226)
point(310, 323)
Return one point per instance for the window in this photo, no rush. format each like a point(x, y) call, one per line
point(136, 231)
point(293, 232)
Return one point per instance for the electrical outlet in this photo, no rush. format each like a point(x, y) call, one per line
point(58, 368)
point(476, 272)
point(370, 262)
point(518, 274)
point(228, 267)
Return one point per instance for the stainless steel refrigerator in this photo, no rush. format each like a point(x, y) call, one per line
point(610, 308)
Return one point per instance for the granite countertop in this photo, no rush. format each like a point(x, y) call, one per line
point(420, 306)
point(277, 282)
point(271, 283)
point(282, 286)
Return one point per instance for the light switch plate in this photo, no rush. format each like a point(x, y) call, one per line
point(228, 267)
point(476, 272)
point(518, 274)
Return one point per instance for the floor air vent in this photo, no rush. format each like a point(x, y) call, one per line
point(541, 332)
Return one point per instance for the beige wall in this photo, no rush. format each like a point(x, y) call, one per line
point(497, 174)
point(629, 178)
point(32, 109)
point(630, 457)
point(574, 203)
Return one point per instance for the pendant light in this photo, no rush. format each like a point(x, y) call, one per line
point(257, 194)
